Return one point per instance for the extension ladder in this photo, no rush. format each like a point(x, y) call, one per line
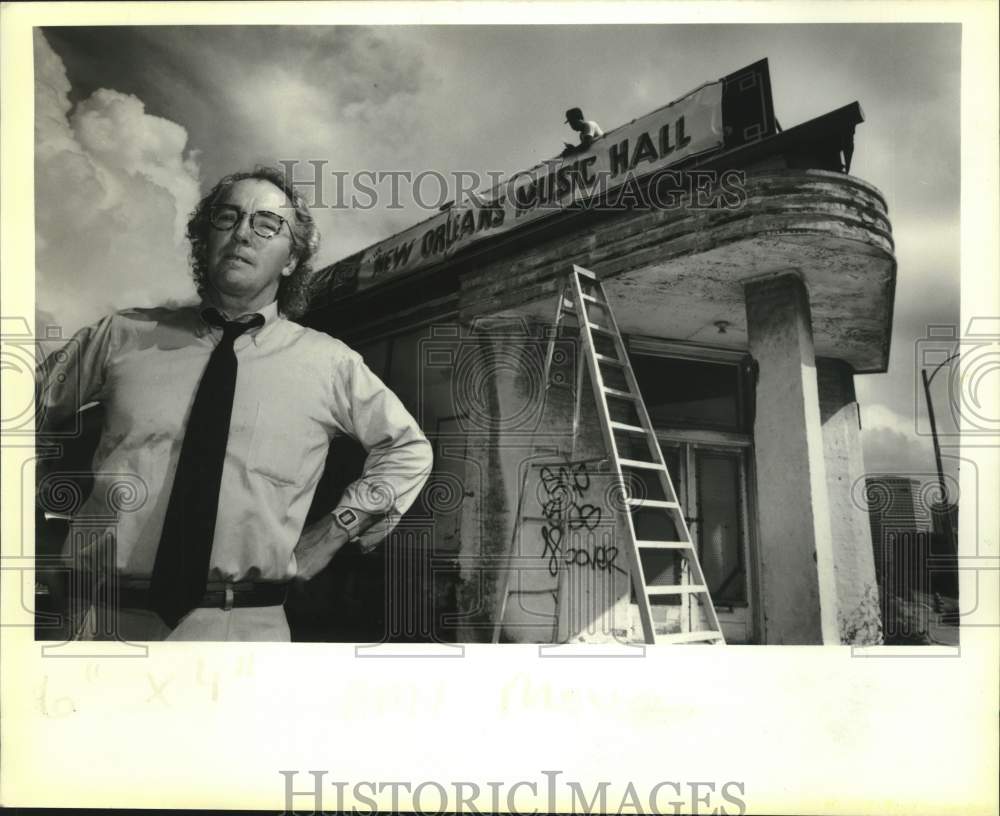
point(658, 541)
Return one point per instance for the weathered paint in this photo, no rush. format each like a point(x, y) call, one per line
point(675, 273)
point(857, 591)
point(593, 602)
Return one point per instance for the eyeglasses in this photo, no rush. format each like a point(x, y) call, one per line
point(264, 223)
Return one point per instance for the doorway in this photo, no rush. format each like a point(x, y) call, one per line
point(699, 401)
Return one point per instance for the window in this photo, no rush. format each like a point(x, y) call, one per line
point(682, 393)
point(709, 481)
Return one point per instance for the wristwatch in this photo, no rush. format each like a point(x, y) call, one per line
point(347, 520)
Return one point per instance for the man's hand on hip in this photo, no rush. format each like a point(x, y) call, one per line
point(317, 545)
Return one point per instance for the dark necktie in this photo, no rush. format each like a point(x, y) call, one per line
point(180, 572)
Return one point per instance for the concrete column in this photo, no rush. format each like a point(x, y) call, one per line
point(797, 583)
point(853, 557)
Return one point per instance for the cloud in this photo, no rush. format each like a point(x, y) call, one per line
point(891, 444)
point(347, 98)
point(113, 189)
point(881, 416)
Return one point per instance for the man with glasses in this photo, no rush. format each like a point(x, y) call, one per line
point(223, 413)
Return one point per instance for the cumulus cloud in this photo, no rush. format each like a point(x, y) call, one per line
point(113, 189)
point(351, 99)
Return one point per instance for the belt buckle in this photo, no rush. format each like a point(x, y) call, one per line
point(230, 598)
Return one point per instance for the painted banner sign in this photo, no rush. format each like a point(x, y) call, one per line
point(687, 127)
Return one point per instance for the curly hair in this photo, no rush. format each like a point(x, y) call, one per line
point(293, 290)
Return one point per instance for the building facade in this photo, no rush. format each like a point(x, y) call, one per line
point(748, 301)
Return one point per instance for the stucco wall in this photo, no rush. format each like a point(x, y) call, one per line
point(566, 584)
point(857, 591)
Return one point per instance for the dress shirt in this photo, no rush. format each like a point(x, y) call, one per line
point(296, 389)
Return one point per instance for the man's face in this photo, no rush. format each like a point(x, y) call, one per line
point(242, 265)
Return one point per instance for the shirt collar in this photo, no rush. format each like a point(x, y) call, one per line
point(269, 312)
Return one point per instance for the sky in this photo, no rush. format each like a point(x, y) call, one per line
point(134, 124)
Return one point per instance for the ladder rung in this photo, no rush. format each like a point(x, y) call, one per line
point(584, 273)
point(653, 503)
point(689, 637)
point(601, 329)
point(592, 299)
point(604, 358)
point(643, 544)
point(614, 392)
point(638, 463)
point(622, 426)
point(676, 589)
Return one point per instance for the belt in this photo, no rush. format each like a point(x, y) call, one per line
point(134, 594)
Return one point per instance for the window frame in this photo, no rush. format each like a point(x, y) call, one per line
point(677, 349)
point(689, 439)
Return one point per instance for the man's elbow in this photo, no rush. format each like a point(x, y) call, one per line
point(412, 453)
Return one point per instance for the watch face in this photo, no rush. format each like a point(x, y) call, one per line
point(347, 517)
